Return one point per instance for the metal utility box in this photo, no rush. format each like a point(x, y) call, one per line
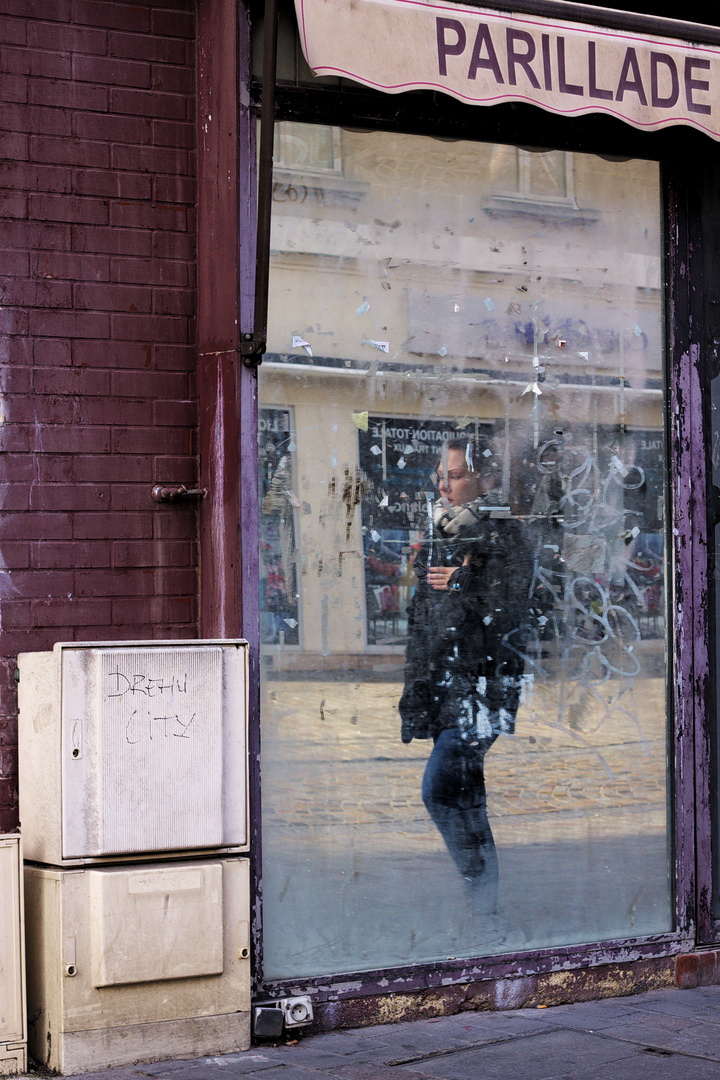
point(138, 963)
point(13, 1036)
point(132, 750)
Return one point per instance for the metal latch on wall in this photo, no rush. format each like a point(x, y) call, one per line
point(251, 348)
point(173, 492)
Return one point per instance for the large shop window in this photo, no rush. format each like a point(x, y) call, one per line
point(463, 492)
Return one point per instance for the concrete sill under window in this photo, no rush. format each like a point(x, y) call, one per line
point(564, 211)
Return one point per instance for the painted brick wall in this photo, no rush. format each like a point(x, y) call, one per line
point(96, 330)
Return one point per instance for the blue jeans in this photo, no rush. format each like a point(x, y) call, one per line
point(453, 790)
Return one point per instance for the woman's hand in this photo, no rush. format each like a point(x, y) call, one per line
point(438, 576)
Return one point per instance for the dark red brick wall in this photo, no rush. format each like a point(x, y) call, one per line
point(97, 354)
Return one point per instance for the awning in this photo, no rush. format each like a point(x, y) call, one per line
point(486, 57)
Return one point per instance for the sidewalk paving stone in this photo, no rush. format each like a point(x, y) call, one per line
point(675, 1003)
point(367, 1071)
point(648, 1067)
point(470, 1030)
point(241, 1064)
point(292, 1071)
point(586, 1015)
point(678, 1034)
point(546, 1055)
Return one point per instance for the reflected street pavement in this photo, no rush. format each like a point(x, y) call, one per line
point(577, 804)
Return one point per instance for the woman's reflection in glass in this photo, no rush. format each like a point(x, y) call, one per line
point(462, 677)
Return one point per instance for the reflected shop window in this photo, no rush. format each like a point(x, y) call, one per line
point(279, 596)
point(463, 573)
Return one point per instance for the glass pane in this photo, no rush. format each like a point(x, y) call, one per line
point(546, 174)
point(504, 169)
point(306, 147)
point(462, 478)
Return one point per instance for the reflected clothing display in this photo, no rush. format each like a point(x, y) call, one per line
point(462, 679)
